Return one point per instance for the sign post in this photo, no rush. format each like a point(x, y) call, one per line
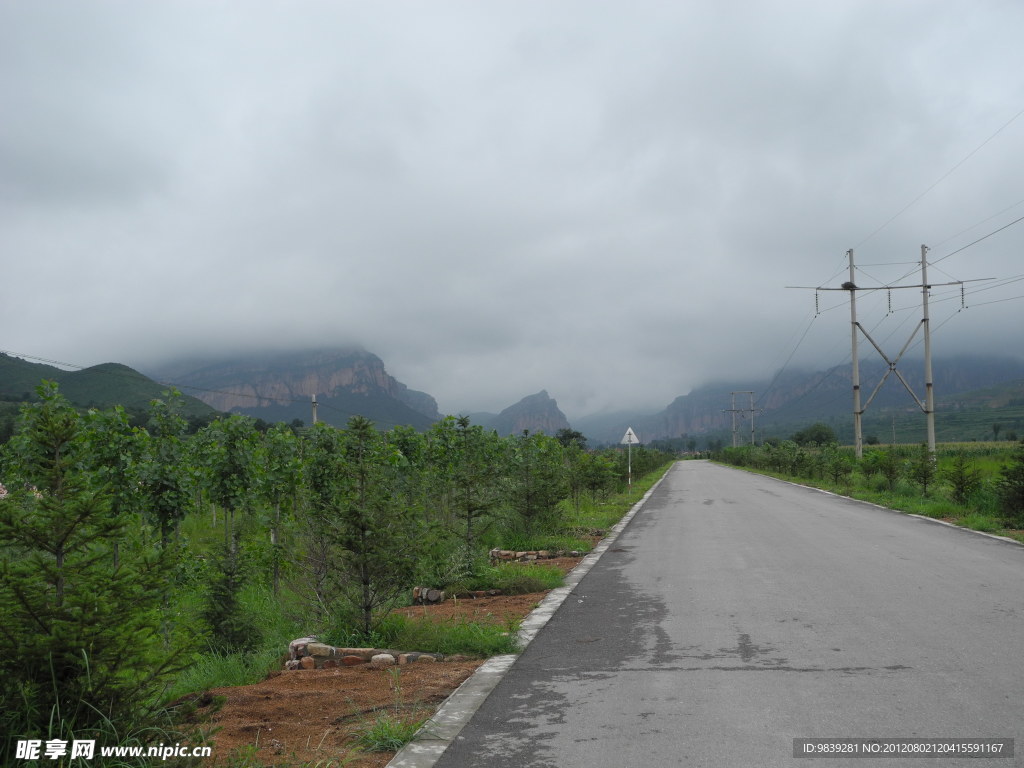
point(628, 439)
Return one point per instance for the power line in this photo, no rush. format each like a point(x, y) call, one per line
point(985, 237)
point(983, 221)
point(942, 178)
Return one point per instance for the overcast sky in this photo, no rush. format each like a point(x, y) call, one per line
point(606, 200)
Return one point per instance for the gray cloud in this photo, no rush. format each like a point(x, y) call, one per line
point(605, 200)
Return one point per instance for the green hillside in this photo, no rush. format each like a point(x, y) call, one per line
point(100, 386)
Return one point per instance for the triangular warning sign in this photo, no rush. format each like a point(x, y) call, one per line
point(630, 437)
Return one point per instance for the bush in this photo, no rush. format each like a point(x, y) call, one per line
point(81, 594)
point(1010, 488)
point(963, 479)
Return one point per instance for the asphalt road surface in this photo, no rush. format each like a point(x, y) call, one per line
point(737, 613)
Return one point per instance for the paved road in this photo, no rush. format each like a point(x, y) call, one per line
point(736, 613)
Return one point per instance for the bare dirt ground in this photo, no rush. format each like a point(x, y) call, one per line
point(312, 717)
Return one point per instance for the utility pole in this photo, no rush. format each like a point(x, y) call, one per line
point(858, 412)
point(929, 393)
point(734, 410)
point(314, 408)
point(927, 405)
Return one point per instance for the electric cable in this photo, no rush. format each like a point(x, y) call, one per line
point(942, 178)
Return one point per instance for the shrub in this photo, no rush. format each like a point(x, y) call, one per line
point(80, 640)
point(962, 478)
point(1010, 488)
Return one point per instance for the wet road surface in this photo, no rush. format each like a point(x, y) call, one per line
point(736, 613)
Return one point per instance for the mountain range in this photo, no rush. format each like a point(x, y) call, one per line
point(796, 398)
point(281, 387)
point(348, 381)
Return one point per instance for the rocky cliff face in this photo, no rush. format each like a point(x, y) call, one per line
point(281, 380)
point(536, 413)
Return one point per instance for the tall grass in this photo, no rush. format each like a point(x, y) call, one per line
point(478, 639)
point(212, 668)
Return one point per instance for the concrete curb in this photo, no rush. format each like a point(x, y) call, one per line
point(443, 728)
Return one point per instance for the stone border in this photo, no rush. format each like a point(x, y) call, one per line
point(443, 728)
point(307, 653)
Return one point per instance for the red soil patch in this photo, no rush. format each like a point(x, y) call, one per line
point(313, 716)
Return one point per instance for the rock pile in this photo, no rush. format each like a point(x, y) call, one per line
point(508, 555)
point(310, 653)
point(427, 596)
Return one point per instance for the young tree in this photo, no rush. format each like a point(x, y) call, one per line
point(923, 470)
point(837, 464)
point(537, 480)
point(886, 464)
point(280, 475)
point(576, 466)
point(601, 476)
point(79, 633)
point(164, 482)
point(231, 629)
point(228, 447)
point(1010, 488)
point(963, 479)
point(319, 567)
point(115, 458)
point(477, 474)
point(379, 537)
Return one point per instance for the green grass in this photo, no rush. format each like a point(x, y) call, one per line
point(978, 522)
point(216, 670)
point(520, 542)
point(213, 669)
point(516, 578)
point(471, 638)
point(388, 732)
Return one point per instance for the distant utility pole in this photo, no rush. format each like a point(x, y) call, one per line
point(927, 405)
point(734, 410)
point(314, 409)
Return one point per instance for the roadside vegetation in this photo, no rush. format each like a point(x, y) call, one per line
point(975, 485)
point(143, 563)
